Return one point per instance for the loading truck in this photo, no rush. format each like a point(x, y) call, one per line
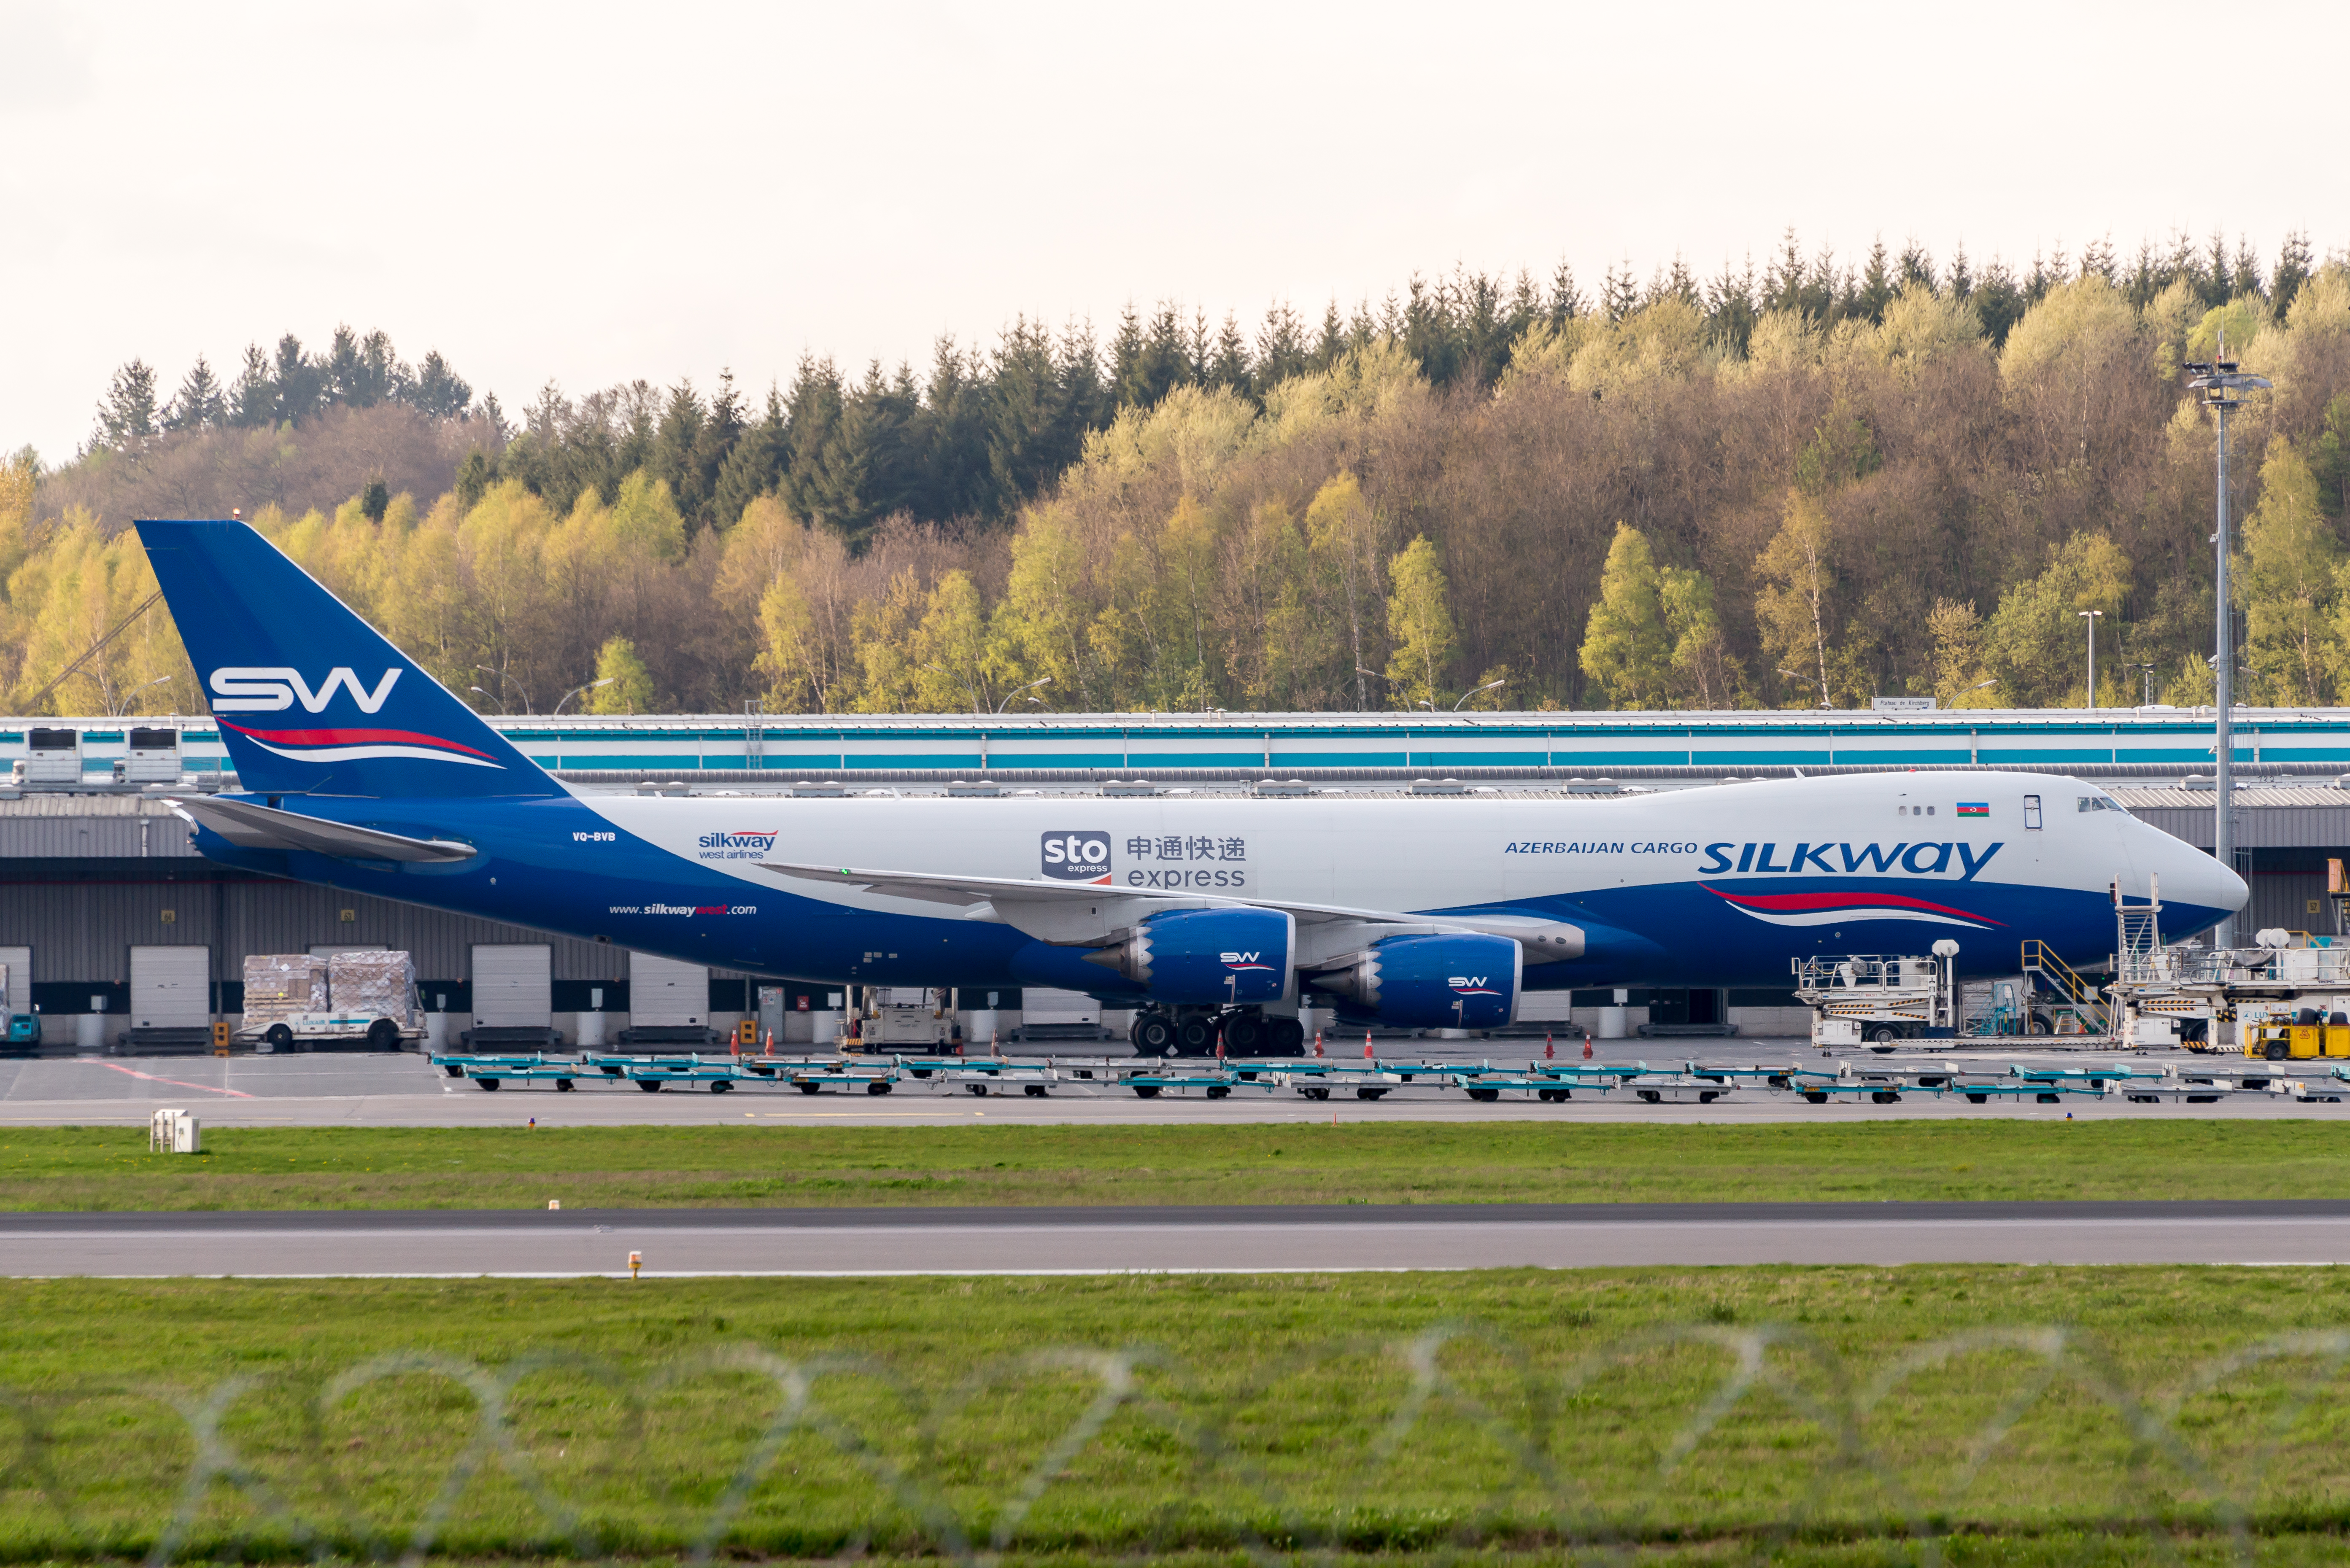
point(353, 999)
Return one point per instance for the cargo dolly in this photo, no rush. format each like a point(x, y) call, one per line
point(488, 1077)
point(846, 1079)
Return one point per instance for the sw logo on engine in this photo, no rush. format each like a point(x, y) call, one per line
point(1076, 856)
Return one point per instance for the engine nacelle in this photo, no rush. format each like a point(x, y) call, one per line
point(1465, 982)
point(1203, 957)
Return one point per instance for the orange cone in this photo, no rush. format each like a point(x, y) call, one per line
point(1366, 1044)
point(1550, 1049)
point(1586, 1047)
point(1317, 1045)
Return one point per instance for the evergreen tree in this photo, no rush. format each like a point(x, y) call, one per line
point(301, 382)
point(677, 442)
point(200, 403)
point(126, 417)
point(1282, 351)
point(255, 401)
point(438, 392)
point(755, 466)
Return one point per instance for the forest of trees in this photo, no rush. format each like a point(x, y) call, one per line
point(1814, 482)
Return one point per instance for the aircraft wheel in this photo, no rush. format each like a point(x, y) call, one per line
point(1196, 1036)
point(1153, 1034)
point(1245, 1035)
point(1286, 1037)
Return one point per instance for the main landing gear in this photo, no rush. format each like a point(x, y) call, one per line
point(1195, 1032)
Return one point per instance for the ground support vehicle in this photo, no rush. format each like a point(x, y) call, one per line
point(2308, 1035)
point(307, 1031)
point(845, 1080)
point(783, 1067)
point(896, 1016)
point(1870, 998)
point(459, 1063)
point(489, 1077)
point(653, 1078)
point(1034, 1080)
point(1214, 1086)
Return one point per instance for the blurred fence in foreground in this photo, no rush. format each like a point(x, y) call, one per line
point(1455, 1438)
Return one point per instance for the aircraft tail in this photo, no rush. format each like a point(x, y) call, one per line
point(310, 699)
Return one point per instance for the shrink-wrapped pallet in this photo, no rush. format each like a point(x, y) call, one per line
point(279, 985)
point(374, 985)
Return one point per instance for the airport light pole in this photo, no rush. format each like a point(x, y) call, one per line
point(574, 691)
point(1480, 691)
point(2092, 617)
point(1032, 686)
point(2223, 385)
point(1808, 680)
point(488, 698)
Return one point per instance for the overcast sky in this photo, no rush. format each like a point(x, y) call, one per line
point(591, 192)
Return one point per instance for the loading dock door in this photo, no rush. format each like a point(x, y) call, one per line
point(666, 993)
point(170, 988)
point(513, 985)
point(18, 963)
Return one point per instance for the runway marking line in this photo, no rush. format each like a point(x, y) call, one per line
point(176, 1083)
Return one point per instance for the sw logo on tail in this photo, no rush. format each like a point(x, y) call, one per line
point(270, 689)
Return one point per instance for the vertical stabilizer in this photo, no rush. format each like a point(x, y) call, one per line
point(310, 699)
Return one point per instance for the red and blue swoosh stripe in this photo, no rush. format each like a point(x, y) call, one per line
point(1831, 908)
point(361, 745)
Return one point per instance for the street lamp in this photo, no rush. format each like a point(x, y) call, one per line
point(1809, 681)
point(1487, 687)
point(2222, 384)
point(488, 698)
point(2149, 668)
point(2092, 617)
point(122, 704)
point(1032, 686)
point(574, 691)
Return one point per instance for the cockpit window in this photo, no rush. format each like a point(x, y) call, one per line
point(2096, 803)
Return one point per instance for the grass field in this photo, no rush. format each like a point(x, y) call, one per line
point(95, 1168)
point(1429, 1417)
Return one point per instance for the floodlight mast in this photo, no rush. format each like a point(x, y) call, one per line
point(2220, 382)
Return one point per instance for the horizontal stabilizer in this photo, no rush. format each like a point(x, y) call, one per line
point(249, 827)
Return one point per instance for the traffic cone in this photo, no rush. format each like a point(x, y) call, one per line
point(1219, 1046)
point(1586, 1047)
point(1366, 1044)
point(1317, 1045)
point(771, 1042)
point(1549, 1048)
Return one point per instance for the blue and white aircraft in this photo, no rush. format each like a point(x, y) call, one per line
point(1206, 912)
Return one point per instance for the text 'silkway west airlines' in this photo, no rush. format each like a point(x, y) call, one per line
point(361, 771)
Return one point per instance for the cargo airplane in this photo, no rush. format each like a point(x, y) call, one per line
point(1212, 914)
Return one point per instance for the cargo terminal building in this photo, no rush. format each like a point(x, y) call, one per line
point(116, 935)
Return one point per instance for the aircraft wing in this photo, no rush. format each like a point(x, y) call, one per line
point(251, 827)
point(1543, 939)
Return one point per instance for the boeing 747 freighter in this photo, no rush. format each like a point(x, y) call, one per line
point(1207, 912)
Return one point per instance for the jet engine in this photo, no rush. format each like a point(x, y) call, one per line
point(1464, 981)
point(1205, 957)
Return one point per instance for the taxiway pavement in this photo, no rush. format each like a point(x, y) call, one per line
point(1283, 1239)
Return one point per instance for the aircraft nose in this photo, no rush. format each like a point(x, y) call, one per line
point(2191, 877)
